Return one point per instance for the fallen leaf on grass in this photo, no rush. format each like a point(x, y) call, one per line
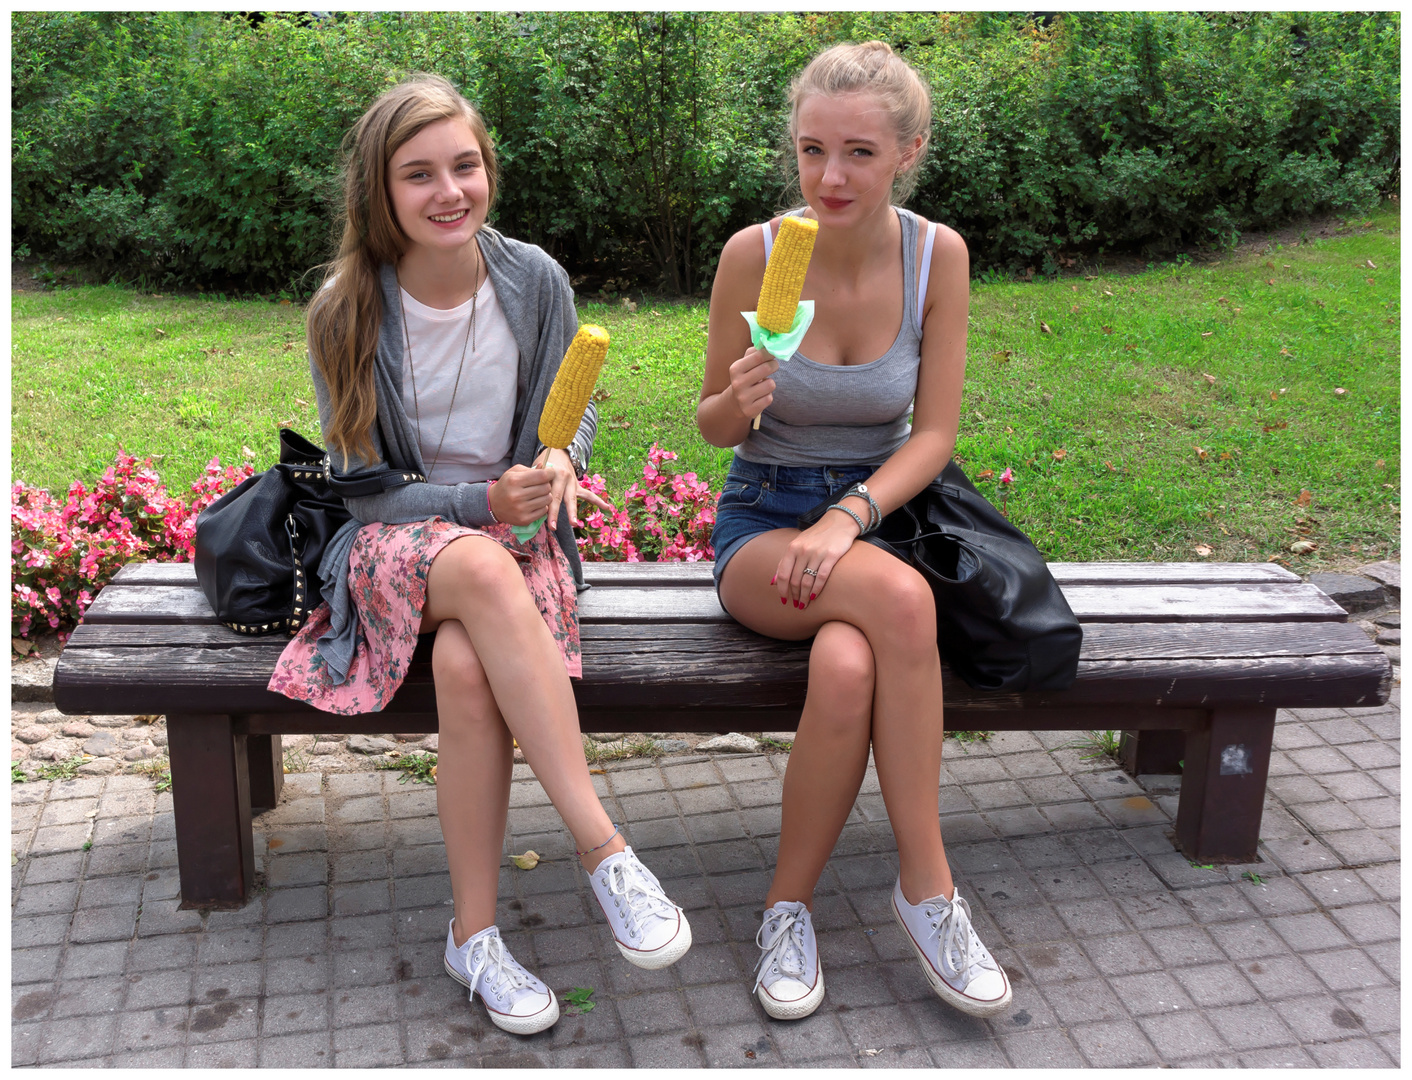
point(1208, 333)
point(247, 452)
point(1060, 454)
point(985, 474)
point(1107, 329)
point(1285, 352)
point(1269, 264)
point(1270, 282)
point(1236, 310)
point(1303, 547)
point(1110, 466)
point(1107, 292)
point(1209, 378)
point(1202, 550)
point(1276, 427)
point(601, 395)
point(432, 774)
point(1305, 497)
point(1225, 456)
point(161, 333)
point(1370, 281)
point(1339, 391)
point(1379, 463)
point(1044, 328)
point(1129, 347)
point(528, 861)
point(1075, 309)
point(1003, 355)
point(1371, 265)
point(1201, 455)
point(21, 646)
point(600, 772)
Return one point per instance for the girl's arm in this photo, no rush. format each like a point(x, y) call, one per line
point(737, 383)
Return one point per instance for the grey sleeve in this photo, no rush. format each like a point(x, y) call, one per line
point(465, 504)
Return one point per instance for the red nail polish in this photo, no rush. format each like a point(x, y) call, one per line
point(783, 600)
point(813, 596)
point(772, 580)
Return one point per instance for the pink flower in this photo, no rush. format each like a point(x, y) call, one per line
point(1007, 477)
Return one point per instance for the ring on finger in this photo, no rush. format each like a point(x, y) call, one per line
point(811, 573)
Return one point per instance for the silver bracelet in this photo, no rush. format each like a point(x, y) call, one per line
point(488, 508)
point(861, 527)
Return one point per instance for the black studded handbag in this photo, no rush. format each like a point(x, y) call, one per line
point(258, 546)
point(1002, 622)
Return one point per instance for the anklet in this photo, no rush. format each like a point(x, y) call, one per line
point(605, 843)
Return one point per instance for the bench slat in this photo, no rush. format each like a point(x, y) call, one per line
point(1102, 641)
point(1298, 602)
point(698, 575)
point(177, 679)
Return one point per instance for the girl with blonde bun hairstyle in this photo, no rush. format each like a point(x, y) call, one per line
point(888, 338)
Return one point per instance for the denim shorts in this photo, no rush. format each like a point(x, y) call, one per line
point(757, 498)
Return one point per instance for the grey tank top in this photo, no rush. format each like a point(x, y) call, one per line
point(829, 414)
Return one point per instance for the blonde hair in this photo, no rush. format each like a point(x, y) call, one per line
point(346, 315)
point(872, 68)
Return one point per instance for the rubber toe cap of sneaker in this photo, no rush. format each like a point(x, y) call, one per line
point(987, 986)
point(786, 990)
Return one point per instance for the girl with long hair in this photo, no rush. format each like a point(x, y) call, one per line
point(888, 338)
point(432, 347)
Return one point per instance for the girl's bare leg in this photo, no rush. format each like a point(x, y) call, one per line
point(827, 763)
point(476, 582)
point(474, 758)
point(893, 607)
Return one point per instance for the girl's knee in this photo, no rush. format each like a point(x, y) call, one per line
point(455, 666)
point(909, 607)
point(841, 666)
point(479, 565)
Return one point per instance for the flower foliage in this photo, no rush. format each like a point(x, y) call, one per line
point(665, 517)
point(62, 553)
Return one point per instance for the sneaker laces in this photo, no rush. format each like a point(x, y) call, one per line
point(783, 947)
point(500, 969)
point(960, 950)
point(641, 894)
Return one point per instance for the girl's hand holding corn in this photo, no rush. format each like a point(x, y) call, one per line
point(523, 494)
point(751, 385)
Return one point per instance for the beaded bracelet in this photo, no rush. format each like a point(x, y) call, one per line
point(861, 527)
point(875, 515)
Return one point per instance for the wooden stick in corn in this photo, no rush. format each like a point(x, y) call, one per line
point(784, 274)
point(573, 386)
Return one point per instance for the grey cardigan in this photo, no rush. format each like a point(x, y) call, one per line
point(538, 303)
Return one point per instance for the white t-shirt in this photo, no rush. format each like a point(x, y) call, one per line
point(477, 445)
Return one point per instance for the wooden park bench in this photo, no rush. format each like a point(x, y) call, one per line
point(1190, 661)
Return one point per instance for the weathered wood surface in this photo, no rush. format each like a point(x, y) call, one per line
point(616, 673)
point(699, 574)
point(1298, 602)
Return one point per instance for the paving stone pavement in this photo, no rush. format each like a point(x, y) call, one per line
point(1121, 952)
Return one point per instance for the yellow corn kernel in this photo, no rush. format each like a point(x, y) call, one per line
point(784, 274)
point(568, 397)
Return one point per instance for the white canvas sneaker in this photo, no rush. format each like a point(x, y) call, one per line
point(959, 968)
point(789, 982)
point(515, 999)
point(650, 930)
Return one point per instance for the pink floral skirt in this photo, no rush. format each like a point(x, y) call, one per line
point(387, 578)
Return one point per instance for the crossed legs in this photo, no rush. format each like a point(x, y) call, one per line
point(499, 676)
point(874, 678)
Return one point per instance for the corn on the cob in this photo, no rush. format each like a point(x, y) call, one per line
point(784, 274)
point(568, 397)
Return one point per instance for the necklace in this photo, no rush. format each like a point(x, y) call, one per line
point(412, 368)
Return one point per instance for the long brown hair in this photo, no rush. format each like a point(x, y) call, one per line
point(346, 313)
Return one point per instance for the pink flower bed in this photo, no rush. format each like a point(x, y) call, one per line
point(62, 553)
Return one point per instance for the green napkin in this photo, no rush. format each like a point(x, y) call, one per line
point(781, 346)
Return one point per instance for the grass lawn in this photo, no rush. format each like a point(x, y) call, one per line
point(1237, 405)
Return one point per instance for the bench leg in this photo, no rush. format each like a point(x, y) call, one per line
point(1152, 751)
point(1223, 785)
point(265, 753)
point(211, 802)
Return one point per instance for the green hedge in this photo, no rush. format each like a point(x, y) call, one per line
point(188, 148)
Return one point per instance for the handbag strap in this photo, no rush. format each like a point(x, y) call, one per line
point(368, 482)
